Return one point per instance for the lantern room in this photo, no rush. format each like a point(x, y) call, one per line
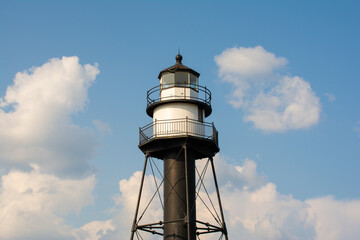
point(180, 84)
point(178, 107)
point(179, 76)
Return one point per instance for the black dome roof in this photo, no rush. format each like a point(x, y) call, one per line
point(178, 67)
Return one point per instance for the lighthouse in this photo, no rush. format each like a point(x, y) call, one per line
point(178, 137)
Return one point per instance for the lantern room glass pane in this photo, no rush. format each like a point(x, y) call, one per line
point(181, 79)
point(168, 80)
point(193, 82)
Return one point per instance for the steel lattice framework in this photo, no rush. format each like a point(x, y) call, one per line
point(202, 227)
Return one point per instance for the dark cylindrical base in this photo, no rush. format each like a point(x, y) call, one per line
point(175, 201)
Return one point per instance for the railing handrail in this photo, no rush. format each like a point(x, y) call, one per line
point(209, 131)
point(181, 119)
point(206, 98)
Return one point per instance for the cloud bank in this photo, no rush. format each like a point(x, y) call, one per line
point(35, 118)
point(254, 209)
point(272, 101)
point(45, 157)
point(33, 203)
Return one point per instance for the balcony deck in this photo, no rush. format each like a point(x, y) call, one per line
point(160, 136)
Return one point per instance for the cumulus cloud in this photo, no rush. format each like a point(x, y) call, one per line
point(334, 219)
point(94, 230)
point(272, 101)
point(127, 200)
point(289, 105)
point(35, 117)
point(256, 210)
point(102, 127)
point(125, 205)
point(32, 204)
point(45, 157)
point(247, 62)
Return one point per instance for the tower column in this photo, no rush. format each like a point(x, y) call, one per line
point(179, 173)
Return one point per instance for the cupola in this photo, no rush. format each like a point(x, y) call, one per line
point(179, 75)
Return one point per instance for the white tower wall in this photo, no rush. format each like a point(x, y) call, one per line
point(172, 111)
point(178, 93)
point(173, 119)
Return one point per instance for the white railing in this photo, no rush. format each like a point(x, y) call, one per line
point(202, 93)
point(177, 128)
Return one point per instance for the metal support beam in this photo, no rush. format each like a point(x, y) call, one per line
point(134, 226)
point(219, 200)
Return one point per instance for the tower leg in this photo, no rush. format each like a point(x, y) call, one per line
point(134, 225)
point(219, 200)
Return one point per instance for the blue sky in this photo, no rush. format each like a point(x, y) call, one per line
point(316, 43)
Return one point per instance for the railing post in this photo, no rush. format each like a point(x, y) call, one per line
point(186, 126)
point(205, 94)
point(147, 98)
point(154, 127)
point(209, 97)
point(214, 137)
point(213, 131)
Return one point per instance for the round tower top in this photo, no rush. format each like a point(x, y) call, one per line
point(178, 67)
point(178, 58)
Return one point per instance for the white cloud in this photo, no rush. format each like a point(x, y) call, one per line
point(248, 62)
point(35, 117)
point(128, 200)
point(331, 97)
point(32, 204)
point(102, 127)
point(125, 205)
point(49, 155)
point(290, 105)
point(335, 219)
point(255, 210)
point(94, 230)
point(272, 101)
point(244, 177)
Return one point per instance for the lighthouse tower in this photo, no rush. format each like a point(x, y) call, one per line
point(179, 136)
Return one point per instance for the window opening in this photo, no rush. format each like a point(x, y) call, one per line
point(194, 82)
point(168, 80)
point(181, 79)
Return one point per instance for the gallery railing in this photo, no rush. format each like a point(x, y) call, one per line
point(178, 128)
point(202, 94)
